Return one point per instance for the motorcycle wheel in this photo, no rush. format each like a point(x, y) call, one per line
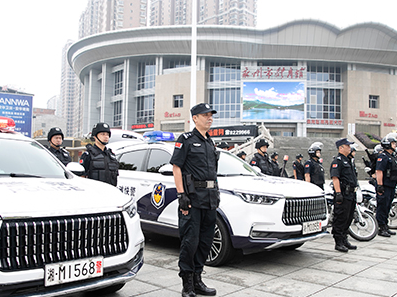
point(366, 230)
point(393, 216)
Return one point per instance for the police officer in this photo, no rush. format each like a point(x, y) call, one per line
point(261, 158)
point(100, 162)
point(275, 167)
point(55, 138)
point(223, 145)
point(242, 155)
point(386, 179)
point(314, 170)
point(345, 184)
point(297, 165)
point(195, 163)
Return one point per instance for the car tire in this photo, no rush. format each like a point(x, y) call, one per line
point(221, 249)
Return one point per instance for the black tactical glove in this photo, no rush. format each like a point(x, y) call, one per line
point(338, 197)
point(184, 201)
point(380, 189)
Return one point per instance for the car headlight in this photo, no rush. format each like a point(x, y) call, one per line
point(259, 198)
point(130, 208)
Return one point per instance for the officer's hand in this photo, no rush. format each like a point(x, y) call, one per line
point(338, 198)
point(184, 201)
point(380, 189)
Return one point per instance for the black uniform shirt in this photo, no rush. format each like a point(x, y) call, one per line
point(316, 171)
point(384, 163)
point(62, 155)
point(298, 167)
point(342, 168)
point(197, 156)
point(263, 163)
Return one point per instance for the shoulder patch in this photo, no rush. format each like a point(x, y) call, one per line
point(307, 165)
point(334, 165)
point(178, 145)
point(379, 159)
point(187, 135)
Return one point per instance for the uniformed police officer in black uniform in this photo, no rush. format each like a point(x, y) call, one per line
point(274, 161)
point(223, 145)
point(261, 158)
point(55, 138)
point(314, 170)
point(242, 155)
point(299, 171)
point(195, 163)
point(100, 162)
point(345, 184)
point(386, 179)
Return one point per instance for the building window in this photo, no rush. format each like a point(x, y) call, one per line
point(224, 72)
point(118, 83)
point(146, 75)
point(373, 101)
point(117, 107)
point(145, 109)
point(178, 101)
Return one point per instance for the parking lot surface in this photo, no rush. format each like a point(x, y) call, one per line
point(315, 269)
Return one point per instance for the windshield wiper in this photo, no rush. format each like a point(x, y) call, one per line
point(23, 175)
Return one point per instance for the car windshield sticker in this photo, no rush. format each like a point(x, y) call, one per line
point(158, 195)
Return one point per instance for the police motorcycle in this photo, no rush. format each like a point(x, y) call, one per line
point(364, 226)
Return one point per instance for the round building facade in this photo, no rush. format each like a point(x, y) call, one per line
point(304, 78)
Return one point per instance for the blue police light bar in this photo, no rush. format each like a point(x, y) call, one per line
point(153, 136)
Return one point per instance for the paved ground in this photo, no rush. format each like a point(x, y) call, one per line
point(315, 269)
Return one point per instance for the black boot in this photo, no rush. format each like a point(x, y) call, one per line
point(389, 231)
point(339, 245)
point(200, 287)
point(383, 231)
point(349, 246)
point(188, 288)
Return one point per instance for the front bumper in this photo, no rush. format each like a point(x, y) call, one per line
point(112, 276)
point(252, 245)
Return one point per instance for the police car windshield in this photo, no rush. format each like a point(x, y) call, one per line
point(20, 158)
point(230, 165)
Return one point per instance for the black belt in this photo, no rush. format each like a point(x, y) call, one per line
point(209, 184)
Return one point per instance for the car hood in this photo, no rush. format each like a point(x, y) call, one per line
point(270, 185)
point(36, 197)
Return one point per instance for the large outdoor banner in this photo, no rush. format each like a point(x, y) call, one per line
point(273, 94)
point(19, 108)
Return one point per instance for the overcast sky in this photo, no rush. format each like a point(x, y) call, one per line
point(33, 33)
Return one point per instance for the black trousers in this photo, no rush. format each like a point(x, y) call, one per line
point(196, 231)
point(383, 205)
point(343, 216)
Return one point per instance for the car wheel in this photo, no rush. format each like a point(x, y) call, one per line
point(221, 249)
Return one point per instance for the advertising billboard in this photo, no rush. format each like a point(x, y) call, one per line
point(272, 100)
point(20, 109)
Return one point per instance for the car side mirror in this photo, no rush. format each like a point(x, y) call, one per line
point(166, 169)
point(76, 168)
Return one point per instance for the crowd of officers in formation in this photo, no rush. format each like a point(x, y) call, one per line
point(343, 172)
point(198, 192)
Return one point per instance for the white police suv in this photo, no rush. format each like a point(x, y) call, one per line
point(256, 211)
point(60, 233)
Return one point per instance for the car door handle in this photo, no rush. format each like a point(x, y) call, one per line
point(145, 184)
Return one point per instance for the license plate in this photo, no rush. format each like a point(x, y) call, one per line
point(70, 271)
point(311, 227)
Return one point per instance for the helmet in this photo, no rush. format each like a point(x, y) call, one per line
point(100, 127)
point(54, 131)
point(299, 156)
point(386, 142)
point(312, 150)
point(260, 143)
point(274, 155)
point(240, 154)
point(378, 148)
point(223, 144)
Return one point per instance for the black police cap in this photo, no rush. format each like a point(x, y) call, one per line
point(342, 141)
point(202, 108)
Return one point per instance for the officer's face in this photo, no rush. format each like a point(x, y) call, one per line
point(56, 140)
point(344, 149)
point(203, 121)
point(393, 145)
point(318, 154)
point(103, 136)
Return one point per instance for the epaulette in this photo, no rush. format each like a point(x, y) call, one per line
point(339, 158)
point(187, 135)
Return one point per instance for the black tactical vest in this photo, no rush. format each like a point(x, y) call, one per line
point(103, 166)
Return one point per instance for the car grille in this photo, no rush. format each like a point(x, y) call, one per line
point(299, 210)
point(32, 243)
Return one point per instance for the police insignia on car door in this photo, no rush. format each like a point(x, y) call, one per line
point(158, 195)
